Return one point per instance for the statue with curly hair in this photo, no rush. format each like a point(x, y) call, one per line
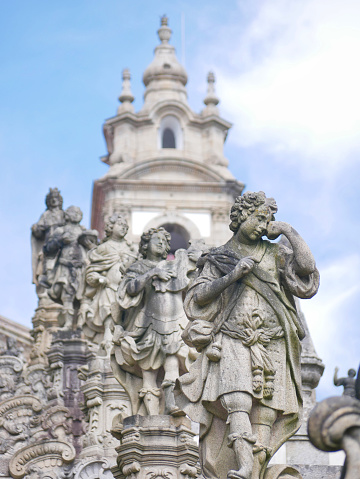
point(149, 354)
point(107, 265)
point(245, 387)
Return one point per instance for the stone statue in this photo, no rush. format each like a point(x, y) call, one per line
point(245, 387)
point(69, 244)
point(348, 383)
point(53, 217)
point(108, 263)
point(148, 350)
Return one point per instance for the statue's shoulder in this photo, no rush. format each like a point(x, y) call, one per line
point(138, 267)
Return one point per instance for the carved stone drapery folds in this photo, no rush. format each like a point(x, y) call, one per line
point(334, 425)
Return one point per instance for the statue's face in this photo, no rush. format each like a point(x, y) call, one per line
point(120, 228)
point(54, 201)
point(255, 225)
point(74, 215)
point(157, 245)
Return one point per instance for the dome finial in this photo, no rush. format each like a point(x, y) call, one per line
point(164, 31)
point(126, 97)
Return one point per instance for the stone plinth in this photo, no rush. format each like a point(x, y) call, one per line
point(155, 446)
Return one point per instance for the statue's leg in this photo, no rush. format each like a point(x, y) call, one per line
point(68, 310)
point(150, 393)
point(106, 343)
point(262, 420)
point(171, 367)
point(241, 439)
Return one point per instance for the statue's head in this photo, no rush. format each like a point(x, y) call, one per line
point(119, 223)
point(351, 373)
point(247, 205)
point(73, 214)
point(160, 233)
point(53, 199)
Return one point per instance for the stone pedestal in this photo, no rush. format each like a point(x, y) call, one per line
point(155, 446)
point(105, 402)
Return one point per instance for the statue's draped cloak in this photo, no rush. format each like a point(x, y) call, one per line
point(109, 260)
point(268, 287)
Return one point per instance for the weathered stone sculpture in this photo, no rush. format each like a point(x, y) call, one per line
point(334, 425)
point(69, 244)
point(348, 383)
point(108, 263)
point(53, 217)
point(149, 344)
point(245, 388)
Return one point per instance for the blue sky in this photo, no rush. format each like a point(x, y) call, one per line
point(288, 78)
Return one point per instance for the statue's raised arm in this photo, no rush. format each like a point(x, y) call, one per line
point(245, 387)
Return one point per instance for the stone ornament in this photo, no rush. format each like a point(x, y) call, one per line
point(93, 469)
point(10, 378)
point(348, 383)
point(334, 425)
point(41, 458)
point(108, 263)
point(149, 354)
point(151, 447)
point(245, 387)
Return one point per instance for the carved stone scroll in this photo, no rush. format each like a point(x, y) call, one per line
point(45, 456)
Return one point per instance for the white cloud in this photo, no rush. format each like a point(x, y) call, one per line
point(330, 315)
point(291, 76)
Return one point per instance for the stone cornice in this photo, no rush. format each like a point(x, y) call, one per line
point(19, 331)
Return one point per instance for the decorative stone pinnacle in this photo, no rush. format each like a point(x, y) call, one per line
point(126, 94)
point(211, 98)
point(164, 31)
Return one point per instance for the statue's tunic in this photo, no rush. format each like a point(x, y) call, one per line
point(255, 325)
point(154, 319)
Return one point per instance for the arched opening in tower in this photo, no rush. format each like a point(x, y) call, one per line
point(180, 237)
point(168, 139)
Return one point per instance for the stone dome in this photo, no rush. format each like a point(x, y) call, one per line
point(165, 65)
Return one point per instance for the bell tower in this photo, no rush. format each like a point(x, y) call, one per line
point(166, 162)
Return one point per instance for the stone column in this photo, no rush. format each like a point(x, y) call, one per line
point(155, 447)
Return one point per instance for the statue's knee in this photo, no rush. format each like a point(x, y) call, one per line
point(263, 415)
point(237, 402)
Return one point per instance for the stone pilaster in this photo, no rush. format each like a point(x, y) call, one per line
point(155, 446)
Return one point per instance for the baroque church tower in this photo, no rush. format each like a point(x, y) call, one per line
point(167, 165)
